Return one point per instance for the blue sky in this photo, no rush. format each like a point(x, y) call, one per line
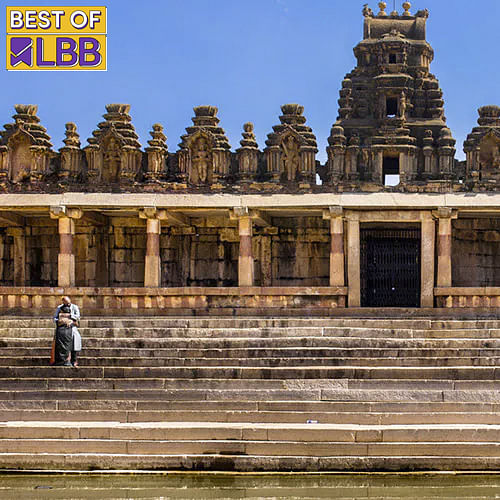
point(248, 58)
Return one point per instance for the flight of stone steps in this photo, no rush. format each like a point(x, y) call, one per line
point(253, 394)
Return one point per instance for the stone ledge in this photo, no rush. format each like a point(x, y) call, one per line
point(469, 291)
point(182, 291)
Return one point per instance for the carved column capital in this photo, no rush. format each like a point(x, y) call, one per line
point(61, 211)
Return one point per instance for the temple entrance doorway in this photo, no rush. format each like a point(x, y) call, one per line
point(390, 266)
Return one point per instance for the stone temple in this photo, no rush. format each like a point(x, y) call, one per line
point(397, 220)
point(241, 291)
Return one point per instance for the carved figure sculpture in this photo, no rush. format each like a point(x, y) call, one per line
point(112, 159)
point(367, 12)
point(291, 157)
point(402, 106)
point(201, 159)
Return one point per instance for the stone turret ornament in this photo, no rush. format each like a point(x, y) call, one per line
point(157, 152)
point(407, 7)
point(382, 6)
point(394, 13)
point(25, 148)
point(70, 154)
point(248, 154)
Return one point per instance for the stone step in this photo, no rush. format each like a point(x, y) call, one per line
point(250, 439)
point(286, 352)
point(59, 383)
point(368, 395)
point(221, 372)
point(272, 343)
point(248, 463)
point(244, 432)
point(234, 405)
point(262, 362)
point(218, 322)
point(264, 332)
point(234, 416)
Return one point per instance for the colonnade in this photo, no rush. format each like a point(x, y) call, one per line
point(344, 232)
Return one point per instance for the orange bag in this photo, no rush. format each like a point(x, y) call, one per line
point(53, 352)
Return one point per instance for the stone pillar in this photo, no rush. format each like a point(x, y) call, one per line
point(337, 271)
point(444, 247)
point(245, 259)
point(353, 263)
point(428, 235)
point(102, 257)
point(378, 174)
point(152, 267)
point(152, 264)
point(19, 235)
point(66, 258)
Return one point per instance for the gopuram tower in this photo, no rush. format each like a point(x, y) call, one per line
point(391, 129)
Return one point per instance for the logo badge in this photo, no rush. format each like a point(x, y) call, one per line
point(56, 38)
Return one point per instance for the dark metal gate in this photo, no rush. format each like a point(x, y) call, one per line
point(390, 267)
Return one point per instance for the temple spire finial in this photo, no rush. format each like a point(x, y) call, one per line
point(406, 7)
point(382, 6)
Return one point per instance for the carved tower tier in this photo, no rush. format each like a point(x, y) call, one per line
point(114, 153)
point(205, 157)
point(391, 111)
point(291, 149)
point(482, 148)
point(25, 148)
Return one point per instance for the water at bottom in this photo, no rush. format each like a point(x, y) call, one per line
point(250, 486)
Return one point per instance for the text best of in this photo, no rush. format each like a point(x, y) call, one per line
point(56, 20)
point(56, 38)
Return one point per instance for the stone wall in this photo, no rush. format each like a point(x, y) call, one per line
point(91, 247)
point(42, 249)
point(127, 253)
point(476, 252)
point(300, 252)
point(205, 255)
point(6, 258)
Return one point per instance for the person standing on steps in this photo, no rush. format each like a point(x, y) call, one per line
point(67, 341)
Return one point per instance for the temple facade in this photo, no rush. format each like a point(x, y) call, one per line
point(395, 221)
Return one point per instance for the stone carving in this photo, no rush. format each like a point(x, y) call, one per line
point(113, 153)
point(482, 148)
point(70, 154)
point(157, 154)
point(402, 106)
point(204, 158)
point(201, 158)
point(291, 149)
point(290, 156)
point(248, 154)
point(367, 12)
point(390, 120)
point(25, 148)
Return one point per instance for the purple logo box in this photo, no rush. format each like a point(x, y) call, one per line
point(21, 51)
